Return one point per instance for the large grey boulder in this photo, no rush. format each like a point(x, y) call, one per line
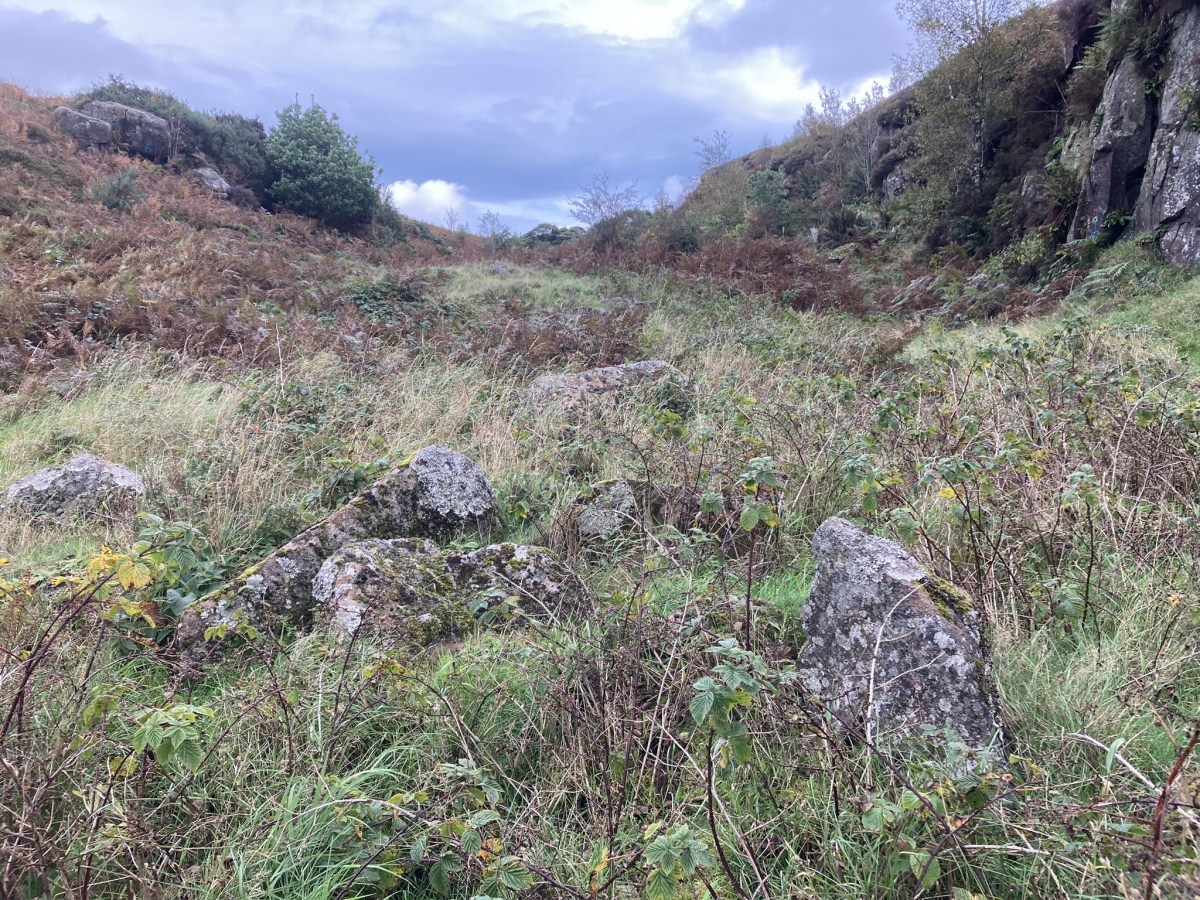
point(407, 592)
point(891, 649)
point(89, 132)
point(437, 493)
point(211, 179)
point(573, 390)
point(1170, 196)
point(141, 132)
point(84, 484)
point(1120, 148)
point(395, 588)
point(515, 578)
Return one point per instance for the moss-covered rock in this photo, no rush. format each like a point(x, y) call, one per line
point(436, 493)
point(411, 593)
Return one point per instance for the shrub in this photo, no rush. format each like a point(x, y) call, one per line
point(120, 192)
point(318, 169)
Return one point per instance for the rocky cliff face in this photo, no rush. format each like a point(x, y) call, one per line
point(1169, 201)
point(1144, 165)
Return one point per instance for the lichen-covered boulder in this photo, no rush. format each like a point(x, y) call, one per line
point(670, 387)
point(410, 592)
point(536, 583)
point(398, 589)
point(437, 493)
point(892, 649)
point(83, 484)
point(453, 494)
point(612, 509)
point(143, 133)
point(88, 131)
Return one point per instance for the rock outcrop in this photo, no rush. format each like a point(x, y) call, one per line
point(1144, 163)
point(437, 493)
point(90, 133)
point(141, 132)
point(1169, 202)
point(893, 650)
point(1120, 148)
point(83, 484)
point(670, 387)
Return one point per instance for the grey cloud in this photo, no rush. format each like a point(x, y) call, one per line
point(525, 112)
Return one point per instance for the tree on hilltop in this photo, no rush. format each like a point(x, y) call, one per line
point(318, 169)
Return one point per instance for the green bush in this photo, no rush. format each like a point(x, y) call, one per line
point(121, 192)
point(318, 169)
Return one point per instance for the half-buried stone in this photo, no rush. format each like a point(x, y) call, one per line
point(410, 593)
point(83, 484)
point(571, 391)
point(435, 494)
point(893, 651)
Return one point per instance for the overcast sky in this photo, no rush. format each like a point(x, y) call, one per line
point(505, 105)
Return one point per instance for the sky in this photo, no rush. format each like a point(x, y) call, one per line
point(478, 105)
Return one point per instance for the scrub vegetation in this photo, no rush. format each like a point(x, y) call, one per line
point(1040, 458)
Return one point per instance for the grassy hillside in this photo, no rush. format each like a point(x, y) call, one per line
point(257, 371)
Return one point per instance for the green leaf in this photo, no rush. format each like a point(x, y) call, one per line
point(875, 819)
point(417, 852)
point(919, 862)
point(513, 874)
point(483, 817)
point(661, 885)
point(189, 754)
point(438, 879)
point(749, 518)
point(471, 842)
point(701, 706)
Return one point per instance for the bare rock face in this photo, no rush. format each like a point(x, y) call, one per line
point(82, 484)
point(437, 493)
point(410, 593)
point(1120, 149)
point(891, 648)
point(571, 391)
point(143, 133)
point(1170, 194)
point(89, 132)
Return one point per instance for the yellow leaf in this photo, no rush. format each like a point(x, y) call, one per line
point(948, 493)
point(134, 574)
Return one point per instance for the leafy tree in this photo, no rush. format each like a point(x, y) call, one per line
point(982, 76)
point(318, 169)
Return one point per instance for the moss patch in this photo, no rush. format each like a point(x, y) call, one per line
point(949, 599)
